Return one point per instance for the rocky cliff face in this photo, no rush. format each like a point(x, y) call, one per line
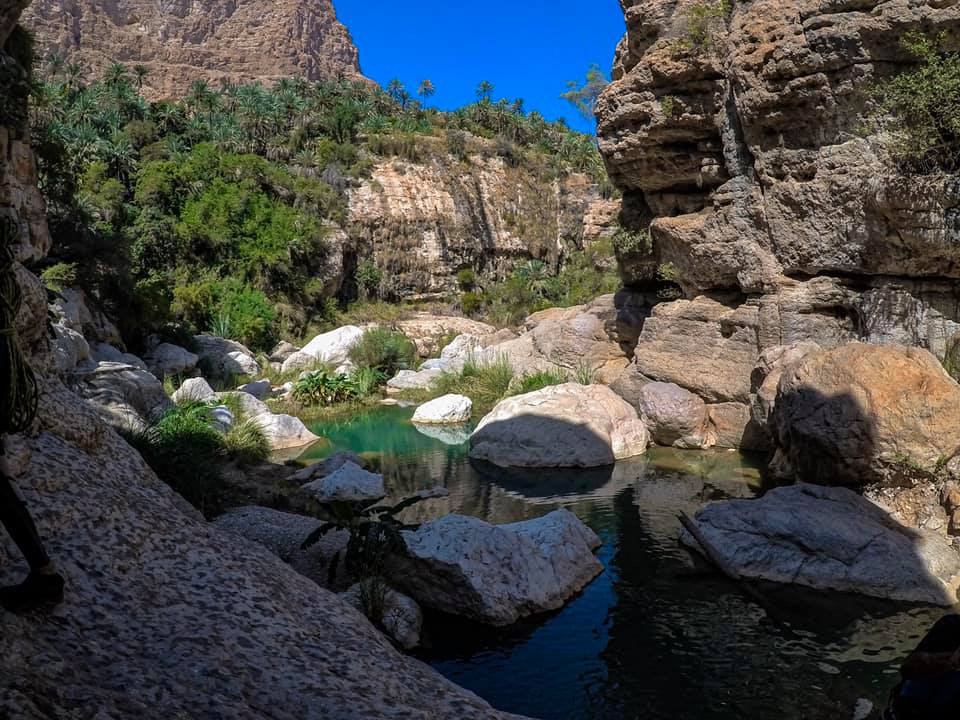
point(181, 41)
point(736, 132)
point(165, 615)
point(422, 222)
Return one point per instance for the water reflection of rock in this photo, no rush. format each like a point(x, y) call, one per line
point(447, 434)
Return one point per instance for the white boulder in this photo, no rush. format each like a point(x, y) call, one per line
point(497, 574)
point(462, 347)
point(567, 425)
point(445, 410)
point(194, 390)
point(332, 348)
point(348, 483)
point(284, 432)
point(127, 398)
point(830, 538)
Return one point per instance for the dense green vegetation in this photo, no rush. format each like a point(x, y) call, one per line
point(533, 287)
point(188, 452)
point(213, 212)
point(920, 108)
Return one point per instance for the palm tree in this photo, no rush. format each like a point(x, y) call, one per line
point(115, 74)
point(484, 92)
point(140, 72)
point(75, 76)
point(398, 92)
point(426, 91)
point(55, 64)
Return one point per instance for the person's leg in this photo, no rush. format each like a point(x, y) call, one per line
point(43, 586)
point(20, 526)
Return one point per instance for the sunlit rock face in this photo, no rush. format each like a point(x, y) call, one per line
point(748, 158)
point(181, 41)
point(747, 153)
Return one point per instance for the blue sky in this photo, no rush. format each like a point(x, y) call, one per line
point(526, 48)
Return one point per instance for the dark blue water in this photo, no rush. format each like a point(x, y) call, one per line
point(659, 635)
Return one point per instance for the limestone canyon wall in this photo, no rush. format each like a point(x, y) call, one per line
point(743, 149)
point(165, 616)
point(181, 41)
point(423, 222)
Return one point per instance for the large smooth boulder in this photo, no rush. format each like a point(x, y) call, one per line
point(461, 347)
point(126, 397)
point(445, 410)
point(497, 574)
point(560, 426)
point(413, 380)
point(674, 416)
point(224, 358)
point(348, 483)
point(863, 413)
point(332, 348)
point(193, 390)
point(830, 539)
point(169, 360)
point(284, 432)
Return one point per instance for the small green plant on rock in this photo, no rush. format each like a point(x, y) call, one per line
point(702, 22)
point(534, 381)
point(60, 276)
point(632, 242)
point(375, 531)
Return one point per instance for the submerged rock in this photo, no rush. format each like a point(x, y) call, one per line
point(326, 467)
point(285, 431)
point(830, 539)
point(447, 434)
point(401, 618)
point(348, 483)
point(445, 410)
point(567, 425)
point(497, 574)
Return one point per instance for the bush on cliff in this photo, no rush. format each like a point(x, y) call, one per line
point(920, 108)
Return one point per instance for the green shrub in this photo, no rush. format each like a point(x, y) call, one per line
point(385, 350)
point(366, 381)
point(183, 449)
point(368, 277)
point(471, 303)
point(246, 443)
point(467, 279)
point(484, 383)
point(322, 387)
point(60, 276)
point(632, 242)
point(539, 380)
point(921, 107)
point(703, 20)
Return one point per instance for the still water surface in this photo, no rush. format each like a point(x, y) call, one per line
point(658, 635)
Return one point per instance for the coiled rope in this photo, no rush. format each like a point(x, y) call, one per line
point(18, 385)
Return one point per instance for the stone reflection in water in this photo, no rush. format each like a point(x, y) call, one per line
point(660, 634)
